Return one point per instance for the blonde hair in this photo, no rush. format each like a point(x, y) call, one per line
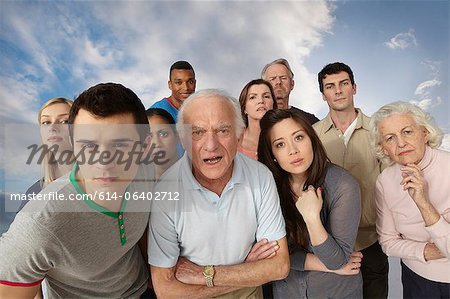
point(422, 118)
point(48, 168)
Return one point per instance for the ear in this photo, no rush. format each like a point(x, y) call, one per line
point(169, 84)
point(385, 152)
point(354, 89)
point(324, 98)
point(292, 84)
point(426, 133)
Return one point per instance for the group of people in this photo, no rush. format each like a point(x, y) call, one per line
point(261, 199)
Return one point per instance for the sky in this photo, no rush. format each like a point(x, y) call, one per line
point(398, 50)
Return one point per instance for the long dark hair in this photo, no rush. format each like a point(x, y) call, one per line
point(295, 225)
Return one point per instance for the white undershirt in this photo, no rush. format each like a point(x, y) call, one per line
point(348, 133)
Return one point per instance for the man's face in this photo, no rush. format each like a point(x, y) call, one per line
point(338, 92)
point(214, 139)
point(106, 145)
point(278, 75)
point(182, 84)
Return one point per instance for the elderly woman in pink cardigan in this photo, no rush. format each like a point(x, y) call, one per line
point(413, 198)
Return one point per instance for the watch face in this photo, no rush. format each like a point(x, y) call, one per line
point(209, 271)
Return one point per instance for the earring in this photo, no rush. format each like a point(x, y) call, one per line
point(275, 160)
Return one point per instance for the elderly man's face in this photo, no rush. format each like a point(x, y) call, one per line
point(214, 140)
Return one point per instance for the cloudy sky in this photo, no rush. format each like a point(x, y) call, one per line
point(398, 49)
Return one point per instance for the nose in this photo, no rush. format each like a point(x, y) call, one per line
point(292, 149)
point(211, 142)
point(106, 158)
point(400, 141)
point(53, 128)
point(260, 100)
point(277, 80)
point(338, 89)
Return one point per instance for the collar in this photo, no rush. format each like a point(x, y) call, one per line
point(362, 121)
point(427, 158)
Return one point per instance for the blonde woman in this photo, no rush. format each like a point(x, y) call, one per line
point(52, 119)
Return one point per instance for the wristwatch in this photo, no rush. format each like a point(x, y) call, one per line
point(208, 273)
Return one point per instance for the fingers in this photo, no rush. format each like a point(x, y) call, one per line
point(262, 250)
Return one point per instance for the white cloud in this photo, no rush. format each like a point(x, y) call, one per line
point(402, 40)
point(422, 88)
point(446, 142)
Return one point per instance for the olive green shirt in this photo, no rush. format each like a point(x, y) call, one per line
point(359, 160)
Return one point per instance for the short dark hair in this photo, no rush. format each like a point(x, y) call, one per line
point(180, 65)
point(244, 93)
point(109, 99)
point(295, 224)
point(334, 68)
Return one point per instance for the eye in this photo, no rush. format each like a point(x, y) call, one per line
point(268, 96)
point(389, 139)
point(191, 81)
point(45, 122)
point(198, 134)
point(252, 97)
point(407, 132)
point(163, 133)
point(120, 144)
point(223, 132)
point(271, 78)
point(345, 83)
point(89, 145)
point(65, 121)
point(279, 144)
point(328, 87)
point(298, 137)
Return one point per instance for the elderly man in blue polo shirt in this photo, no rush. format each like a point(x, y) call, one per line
point(221, 204)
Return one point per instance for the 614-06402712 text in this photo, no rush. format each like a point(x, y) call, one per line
point(158, 196)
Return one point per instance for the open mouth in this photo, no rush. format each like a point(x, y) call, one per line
point(213, 160)
point(261, 109)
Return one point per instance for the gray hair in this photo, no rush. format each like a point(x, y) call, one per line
point(206, 93)
point(421, 118)
point(281, 61)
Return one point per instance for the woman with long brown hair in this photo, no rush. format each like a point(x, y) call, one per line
point(321, 206)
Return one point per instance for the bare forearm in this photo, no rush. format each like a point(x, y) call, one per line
point(181, 290)
point(317, 232)
point(313, 263)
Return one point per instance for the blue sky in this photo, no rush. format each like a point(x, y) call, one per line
point(398, 50)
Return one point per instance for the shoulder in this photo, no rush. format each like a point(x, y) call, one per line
point(338, 177)
point(160, 104)
point(251, 167)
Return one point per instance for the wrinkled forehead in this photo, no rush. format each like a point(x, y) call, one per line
point(209, 109)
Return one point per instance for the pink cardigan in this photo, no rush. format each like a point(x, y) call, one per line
point(400, 226)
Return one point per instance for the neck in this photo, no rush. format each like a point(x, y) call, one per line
point(283, 103)
point(175, 102)
point(62, 169)
point(297, 182)
point(251, 133)
point(214, 185)
point(343, 119)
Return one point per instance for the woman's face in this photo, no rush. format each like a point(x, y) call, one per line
point(259, 101)
point(402, 139)
point(163, 137)
point(291, 146)
point(53, 126)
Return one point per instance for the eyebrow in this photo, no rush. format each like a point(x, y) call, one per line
point(114, 140)
point(46, 115)
point(301, 130)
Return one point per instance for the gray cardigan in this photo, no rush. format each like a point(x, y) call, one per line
point(340, 216)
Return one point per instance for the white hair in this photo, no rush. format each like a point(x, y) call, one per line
point(208, 93)
point(421, 118)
